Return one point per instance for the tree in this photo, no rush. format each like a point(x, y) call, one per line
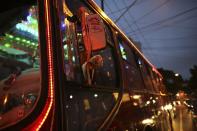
point(173, 82)
point(193, 79)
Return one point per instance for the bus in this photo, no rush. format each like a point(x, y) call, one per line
point(86, 74)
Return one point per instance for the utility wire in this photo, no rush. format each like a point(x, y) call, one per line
point(174, 38)
point(168, 19)
point(147, 42)
point(127, 22)
point(132, 4)
point(172, 25)
point(119, 10)
point(145, 15)
point(170, 48)
point(150, 12)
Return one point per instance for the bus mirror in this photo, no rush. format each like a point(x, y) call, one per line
point(95, 33)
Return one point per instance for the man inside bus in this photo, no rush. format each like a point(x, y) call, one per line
point(90, 66)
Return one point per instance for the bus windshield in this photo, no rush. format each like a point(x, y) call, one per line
point(19, 64)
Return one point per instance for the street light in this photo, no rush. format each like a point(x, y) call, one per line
point(176, 74)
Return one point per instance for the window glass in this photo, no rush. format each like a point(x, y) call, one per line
point(158, 81)
point(133, 78)
point(154, 80)
point(109, 35)
point(86, 110)
point(19, 64)
point(99, 69)
point(146, 75)
point(71, 58)
point(107, 75)
point(86, 104)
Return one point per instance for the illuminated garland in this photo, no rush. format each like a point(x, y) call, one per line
point(18, 39)
point(30, 26)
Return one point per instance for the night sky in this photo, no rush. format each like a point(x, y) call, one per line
point(166, 29)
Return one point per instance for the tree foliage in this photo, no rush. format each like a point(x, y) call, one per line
point(172, 82)
point(193, 78)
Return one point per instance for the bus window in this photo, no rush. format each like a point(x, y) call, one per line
point(151, 78)
point(107, 75)
point(19, 66)
point(71, 60)
point(86, 110)
point(145, 74)
point(155, 80)
point(87, 104)
point(109, 35)
point(133, 78)
point(99, 69)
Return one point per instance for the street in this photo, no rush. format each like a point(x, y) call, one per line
point(183, 120)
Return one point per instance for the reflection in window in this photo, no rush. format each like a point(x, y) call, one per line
point(109, 35)
point(123, 53)
point(98, 70)
point(146, 75)
point(131, 71)
point(19, 66)
point(71, 60)
point(106, 75)
point(86, 111)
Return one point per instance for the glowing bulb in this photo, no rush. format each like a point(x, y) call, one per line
point(95, 95)
point(71, 96)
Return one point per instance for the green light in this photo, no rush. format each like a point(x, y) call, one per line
point(65, 47)
point(10, 36)
point(7, 45)
point(31, 20)
point(34, 21)
point(24, 40)
point(28, 42)
point(28, 28)
point(73, 59)
point(17, 38)
point(66, 56)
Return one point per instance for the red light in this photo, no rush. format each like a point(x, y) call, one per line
point(37, 124)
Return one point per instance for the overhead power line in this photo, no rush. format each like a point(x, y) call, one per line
point(150, 54)
point(150, 12)
point(160, 27)
point(117, 11)
point(170, 48)
point(121, 9)
point(189, 37)
point(168, 19)
point(125, 19)
point(132, 4)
